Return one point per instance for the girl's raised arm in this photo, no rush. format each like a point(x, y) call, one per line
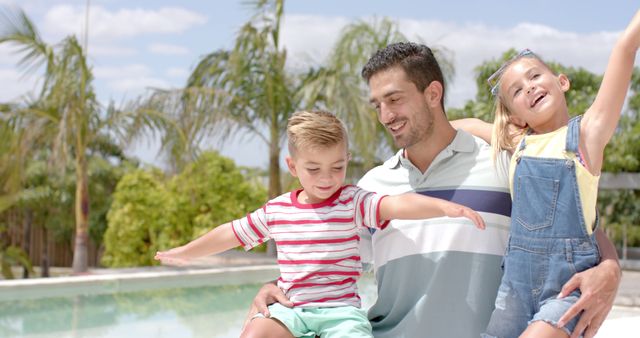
point(601, 119)
point(474, 126)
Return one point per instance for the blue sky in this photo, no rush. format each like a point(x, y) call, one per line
point(137, 44)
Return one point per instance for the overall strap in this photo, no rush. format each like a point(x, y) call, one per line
point(573, 135)
point(523, 142)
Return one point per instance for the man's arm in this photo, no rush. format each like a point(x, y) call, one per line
point(598, 287)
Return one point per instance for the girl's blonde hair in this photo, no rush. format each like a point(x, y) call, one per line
point(313, 129)
point(506, 135)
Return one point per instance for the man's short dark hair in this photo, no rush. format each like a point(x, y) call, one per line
point(417, 61)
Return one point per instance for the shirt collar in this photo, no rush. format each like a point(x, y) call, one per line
point(463, 142)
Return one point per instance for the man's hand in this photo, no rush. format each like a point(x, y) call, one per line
point(598, 286)
point(268, 294)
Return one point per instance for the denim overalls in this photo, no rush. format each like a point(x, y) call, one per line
point(548, 242)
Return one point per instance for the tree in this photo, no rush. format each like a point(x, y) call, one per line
point(151, 212)
point(66, 107)
point(339, 87)
point(248, 90)
point(252, 91)
point(584, 87)
point(65, 115)
point(618, 208)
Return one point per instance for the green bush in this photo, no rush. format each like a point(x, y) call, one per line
point(151, 213)
point(139, 212)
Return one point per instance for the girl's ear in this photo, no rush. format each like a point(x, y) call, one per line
point(565, 84)
point(292, 166)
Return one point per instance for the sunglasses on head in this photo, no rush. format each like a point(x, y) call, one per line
point(494, 79)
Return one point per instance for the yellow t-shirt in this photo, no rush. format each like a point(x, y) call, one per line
point(552, 145)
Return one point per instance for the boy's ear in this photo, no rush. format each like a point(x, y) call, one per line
point(291, 165)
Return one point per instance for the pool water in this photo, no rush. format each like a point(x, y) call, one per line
point(206, 311)
point(172, 305)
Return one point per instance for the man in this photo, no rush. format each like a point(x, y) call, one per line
point(439, 277)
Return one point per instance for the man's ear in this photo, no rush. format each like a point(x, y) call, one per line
point(433, 93)
point(291, 165)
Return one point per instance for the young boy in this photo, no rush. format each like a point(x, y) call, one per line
point(315, 229)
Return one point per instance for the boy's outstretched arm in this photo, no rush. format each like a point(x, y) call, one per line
point(416, 206)
point(215, 241)
point(601, 119)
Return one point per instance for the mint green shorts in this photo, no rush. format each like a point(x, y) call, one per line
point(328, 322)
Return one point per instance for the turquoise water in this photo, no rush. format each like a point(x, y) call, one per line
point(209, 311)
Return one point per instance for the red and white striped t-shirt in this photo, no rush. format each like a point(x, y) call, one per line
point(317, 243)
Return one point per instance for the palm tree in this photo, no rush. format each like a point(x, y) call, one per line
point(178, 119)
point(66, 115)
point(248, 90)
point(12, 192)
point(340, 87)
point(252, 90)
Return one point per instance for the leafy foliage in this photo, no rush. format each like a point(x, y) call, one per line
point(137, 215)
point(150, 212)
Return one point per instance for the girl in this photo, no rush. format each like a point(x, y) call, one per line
point(554, 174)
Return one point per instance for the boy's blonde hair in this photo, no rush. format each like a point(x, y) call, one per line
point(315, 129)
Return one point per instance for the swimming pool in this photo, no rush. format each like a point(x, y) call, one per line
point(194, 304)
point(175, 303)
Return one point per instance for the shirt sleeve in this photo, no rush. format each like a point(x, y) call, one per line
point(367, 209)
point(252, 230)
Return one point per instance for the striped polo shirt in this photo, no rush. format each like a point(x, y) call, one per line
point(317, 243)
point(439, 277)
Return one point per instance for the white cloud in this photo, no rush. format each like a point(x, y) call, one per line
point(168, 49)
point(128, 81)
point(473, 44)
point(132, 86)
point(110, 50)
point(133, 70)
point(62, 20)
point(14, 85)
point(310, 38)
point(470, 43)
point(176, 72)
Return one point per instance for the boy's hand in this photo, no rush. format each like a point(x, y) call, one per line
point(457, 210)
point(171, 257)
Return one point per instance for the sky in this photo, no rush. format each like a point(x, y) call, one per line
point(135, 45)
